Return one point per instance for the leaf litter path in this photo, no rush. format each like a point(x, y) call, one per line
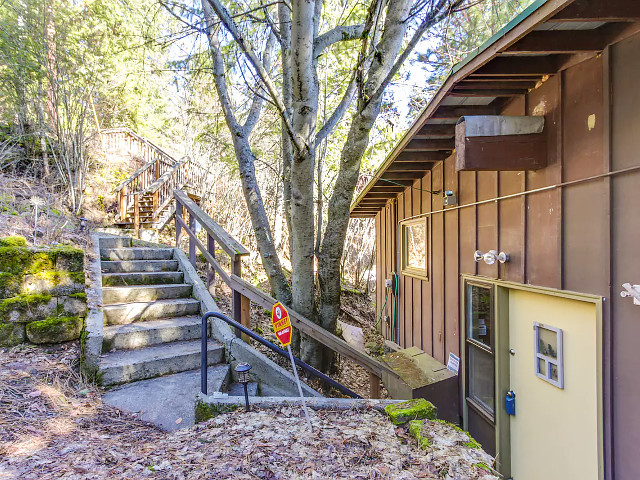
point(53, 425)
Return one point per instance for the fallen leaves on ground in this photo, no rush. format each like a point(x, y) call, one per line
point(53, 425)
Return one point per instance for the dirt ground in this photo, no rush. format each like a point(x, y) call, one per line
point(53, 425)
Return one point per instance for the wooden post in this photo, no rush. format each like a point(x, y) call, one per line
point(245, 315)
point(192, 243)
point(178, 224)
point(236, 269)
point(156, 203)
point(136, 214)
point(211, 273)
point(374, 386)
point(123, 202)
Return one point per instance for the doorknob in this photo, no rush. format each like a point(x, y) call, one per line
point(512, 351)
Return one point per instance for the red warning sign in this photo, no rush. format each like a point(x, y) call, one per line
point(281, 324)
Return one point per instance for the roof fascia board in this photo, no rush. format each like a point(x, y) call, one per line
point(536, 13)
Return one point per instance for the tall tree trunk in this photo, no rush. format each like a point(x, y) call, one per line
point(329, 275)
point(246, 164)
point(305, 111)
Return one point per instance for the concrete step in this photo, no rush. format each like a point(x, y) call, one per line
point(168, 401)
point(123, 313)
point(144, 293)
point(137, 253)
point(115, 242)
point(141, 278)
point(153, 332)
point(125, 366)
point(139, 266)
point(237, 390)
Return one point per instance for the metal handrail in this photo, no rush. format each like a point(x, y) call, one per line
point(204, 354)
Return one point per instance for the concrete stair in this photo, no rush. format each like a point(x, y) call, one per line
point(141, 278)
point(123, 266)
point(152, 337)
point(152, 323)
point(152, 332)
point(126, 366)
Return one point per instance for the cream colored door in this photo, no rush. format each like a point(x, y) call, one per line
point(554, 433)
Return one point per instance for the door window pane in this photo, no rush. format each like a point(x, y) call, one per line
point(480, 315)
point(481, 377)
point(547, 342)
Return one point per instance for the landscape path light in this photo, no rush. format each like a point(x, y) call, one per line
point(242, 370)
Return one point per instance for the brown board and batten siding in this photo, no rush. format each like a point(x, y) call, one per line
point(581, 237)
point(574, 233)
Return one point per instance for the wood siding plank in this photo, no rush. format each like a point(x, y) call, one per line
point(437, 262)
point(543, 247)
point(451, 276)
point(427, 304)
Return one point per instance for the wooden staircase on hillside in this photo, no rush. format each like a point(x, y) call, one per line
point(145, 199)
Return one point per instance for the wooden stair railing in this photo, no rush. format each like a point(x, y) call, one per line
point(145, 195)
point(244, 292)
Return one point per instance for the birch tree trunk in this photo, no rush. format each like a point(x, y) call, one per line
point(379, 61)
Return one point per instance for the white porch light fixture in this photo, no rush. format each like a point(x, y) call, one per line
point(490, 257)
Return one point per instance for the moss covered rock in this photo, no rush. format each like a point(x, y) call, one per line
point(11, 334)
point(10, 284)
point(27, 308)
point(73, 305)
point(15, 259)
point(69, 259)
point(55, 330)
point(416, 430)
point(16, 241)
point(418, 409)
point(54, 282)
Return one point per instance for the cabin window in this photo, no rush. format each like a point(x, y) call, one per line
point(548, 347)
point(414, 247)
point(480, 348)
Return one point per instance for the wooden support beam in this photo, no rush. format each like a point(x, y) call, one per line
point(402, 175)
point(457, 112)
point(486, 93)
point(430, 145)
point(559, 41)
point(437, 130)
point(506, 84)
point(422, 156)
point(517, 66)
point(380, 194)
point(396, 183)
point(374, 386)
point(385, 188)
point(476, 77)
point(410, 166)
point(599, 11)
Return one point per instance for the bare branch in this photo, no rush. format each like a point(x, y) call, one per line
point(258, 102)
point(246, 47)
point(436, 15)
point(218, 69)
point(337, 34)
point(338, 113)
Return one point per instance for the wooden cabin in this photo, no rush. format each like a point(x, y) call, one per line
point(507, 219)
